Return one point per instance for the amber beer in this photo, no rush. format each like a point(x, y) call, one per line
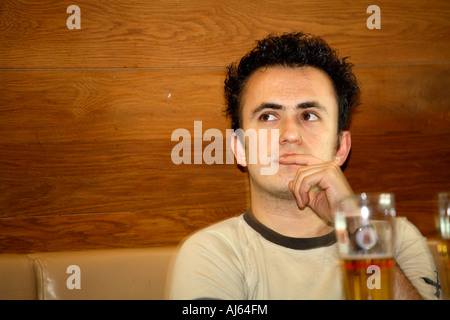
point(444, 246)
point(443, 250)
point(368, 278)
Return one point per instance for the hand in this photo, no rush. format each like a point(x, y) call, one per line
point(317, 184)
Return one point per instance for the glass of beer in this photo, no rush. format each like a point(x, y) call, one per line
point(444, 245)
point(364, 232)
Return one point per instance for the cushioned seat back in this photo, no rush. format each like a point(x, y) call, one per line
point(17, 280)
point(103, 274)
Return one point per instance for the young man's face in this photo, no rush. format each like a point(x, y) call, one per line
point(301, 104)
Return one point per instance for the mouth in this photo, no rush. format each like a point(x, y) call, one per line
point(287, 162)
point(288, 153)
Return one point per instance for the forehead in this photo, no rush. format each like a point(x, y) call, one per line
point(288, 87)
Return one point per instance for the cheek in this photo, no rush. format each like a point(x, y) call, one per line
point(263, 150)
point(267, 142)
point(322, 146)
point(273, 141)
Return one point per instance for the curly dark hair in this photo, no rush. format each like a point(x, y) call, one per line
point(293, 50)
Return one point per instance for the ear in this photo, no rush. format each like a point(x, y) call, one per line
point(238, 150)
point(345, 144)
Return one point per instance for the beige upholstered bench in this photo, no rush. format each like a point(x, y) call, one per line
point(92, 274)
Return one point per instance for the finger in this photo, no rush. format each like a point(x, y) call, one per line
point(298, 199)
point(307, 180)
point(299, 159)
point(310, 184)
point(295, 188)
point(298, 187)
point(316, 189)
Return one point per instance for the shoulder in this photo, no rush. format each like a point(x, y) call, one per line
point(211, 263)
point(408, 240)
point(223, 230)
point(407, 234)
point(219, 238)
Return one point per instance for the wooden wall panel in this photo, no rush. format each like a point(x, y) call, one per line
point(414, 165)
point(199, 33)
point(86, 115)
point(407, 98)
point(83, 105)
point(108, 177)
point(111, 230)
point(411, 165)
point(125, 176)
point(59, 198)
point(86, 105)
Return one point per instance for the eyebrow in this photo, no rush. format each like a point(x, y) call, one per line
point(276, 106)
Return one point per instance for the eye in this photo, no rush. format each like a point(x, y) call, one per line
point(267, 117)
point(307, 116)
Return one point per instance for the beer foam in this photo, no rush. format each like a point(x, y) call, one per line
point(366, 256)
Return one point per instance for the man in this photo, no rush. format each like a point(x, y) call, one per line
point(284, 247)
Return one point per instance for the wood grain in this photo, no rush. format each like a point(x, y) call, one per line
point(200, 33)
point(142, 229)
point(95, 168)
point(150, 228)
point(407, 98)
point(413, 165)
point(127, 176)
point(109, 177)
point(86, 116)
point(82, 105)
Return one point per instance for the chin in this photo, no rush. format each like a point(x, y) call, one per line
point(283, 193)
point(288, 170)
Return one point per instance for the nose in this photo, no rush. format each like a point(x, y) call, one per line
point(290, 132)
